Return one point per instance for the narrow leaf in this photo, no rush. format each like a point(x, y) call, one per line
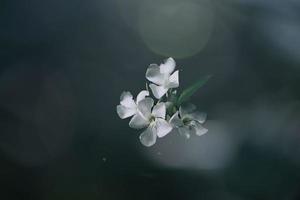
point(187, 93)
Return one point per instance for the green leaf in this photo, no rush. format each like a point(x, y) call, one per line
point(187, 93)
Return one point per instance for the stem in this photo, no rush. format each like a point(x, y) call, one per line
point(172, 109)
point(169, 93)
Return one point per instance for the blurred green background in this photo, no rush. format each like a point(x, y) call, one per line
point(65, 63)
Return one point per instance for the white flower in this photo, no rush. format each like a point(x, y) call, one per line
point(162, 78)
point(153, 119)
point(187, 121)
point(128, 107)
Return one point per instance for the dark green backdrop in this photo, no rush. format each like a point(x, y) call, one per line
point(65, 63)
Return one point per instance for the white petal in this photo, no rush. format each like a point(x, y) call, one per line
point(198, 116)
point(153, 74)
point(168, 67)
point(175, 121)
point(199, 129)
point(162, 127)
point(148, 137)
point(174, 80)
point(158, 91)
point(186, 109)
point(125, 112)
point(159, 110)
point(126, 99)
point(142, 95)
point(192, 129)
point(138, 122)
point(184, 131)
point(145, 106)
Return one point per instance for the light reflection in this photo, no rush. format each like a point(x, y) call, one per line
point(214, 150)
point(265, 124)
point(276, 127)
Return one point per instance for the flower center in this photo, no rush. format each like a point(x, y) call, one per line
point(152, 119)
point(186, 121)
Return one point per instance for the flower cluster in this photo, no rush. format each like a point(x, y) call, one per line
point(169, 112)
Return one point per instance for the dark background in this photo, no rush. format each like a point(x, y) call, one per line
point(65, 63)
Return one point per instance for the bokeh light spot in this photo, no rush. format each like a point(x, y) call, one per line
point(176, 28)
